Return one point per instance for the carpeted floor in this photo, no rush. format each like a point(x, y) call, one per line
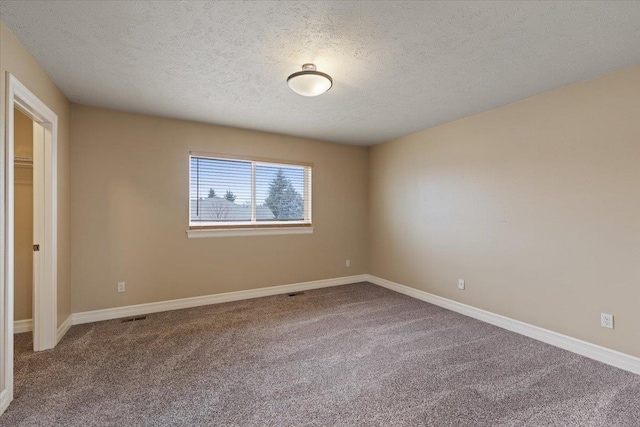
point(356, 355)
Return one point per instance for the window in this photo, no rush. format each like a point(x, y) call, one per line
point(236, 193)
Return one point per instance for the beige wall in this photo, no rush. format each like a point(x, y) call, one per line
point(130, 212)
point(16, 60)
point(23, 222)
point(535, 204)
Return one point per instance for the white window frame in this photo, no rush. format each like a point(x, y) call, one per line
point(254, 227)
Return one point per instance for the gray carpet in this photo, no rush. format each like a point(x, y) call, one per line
point(356, 355)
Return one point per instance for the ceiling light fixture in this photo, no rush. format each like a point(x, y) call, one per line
point(309, 82)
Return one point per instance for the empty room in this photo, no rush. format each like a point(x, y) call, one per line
point(319, 213)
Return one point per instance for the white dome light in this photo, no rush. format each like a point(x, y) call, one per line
point(309, 82)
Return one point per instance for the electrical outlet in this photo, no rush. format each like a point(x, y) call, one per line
point(121, 287)
point(461, 284)
point(606, 320)
point(348, 263)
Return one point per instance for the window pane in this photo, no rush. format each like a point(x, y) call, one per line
point(220, 190)
point(280, 192)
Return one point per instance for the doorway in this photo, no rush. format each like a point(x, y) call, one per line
point(24, 132)
point(44, 237)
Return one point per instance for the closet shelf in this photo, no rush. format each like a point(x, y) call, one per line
point(23, 161)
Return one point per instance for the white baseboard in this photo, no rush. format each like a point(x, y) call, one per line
point(64, 328)
point(155, 307)
point(26, 325)
point(21, 326)
point(583, 348)
point(4, 401)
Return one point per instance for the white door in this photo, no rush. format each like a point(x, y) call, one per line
point(38, 228)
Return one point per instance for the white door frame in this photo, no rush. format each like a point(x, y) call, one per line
point(45, 289)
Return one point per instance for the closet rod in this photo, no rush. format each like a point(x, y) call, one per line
point(23, 161)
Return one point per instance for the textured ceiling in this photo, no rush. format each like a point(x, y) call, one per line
point(398, 67)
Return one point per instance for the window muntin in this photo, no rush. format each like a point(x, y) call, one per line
point(235, 193)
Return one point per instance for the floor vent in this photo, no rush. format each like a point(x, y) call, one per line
point(133, 319)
